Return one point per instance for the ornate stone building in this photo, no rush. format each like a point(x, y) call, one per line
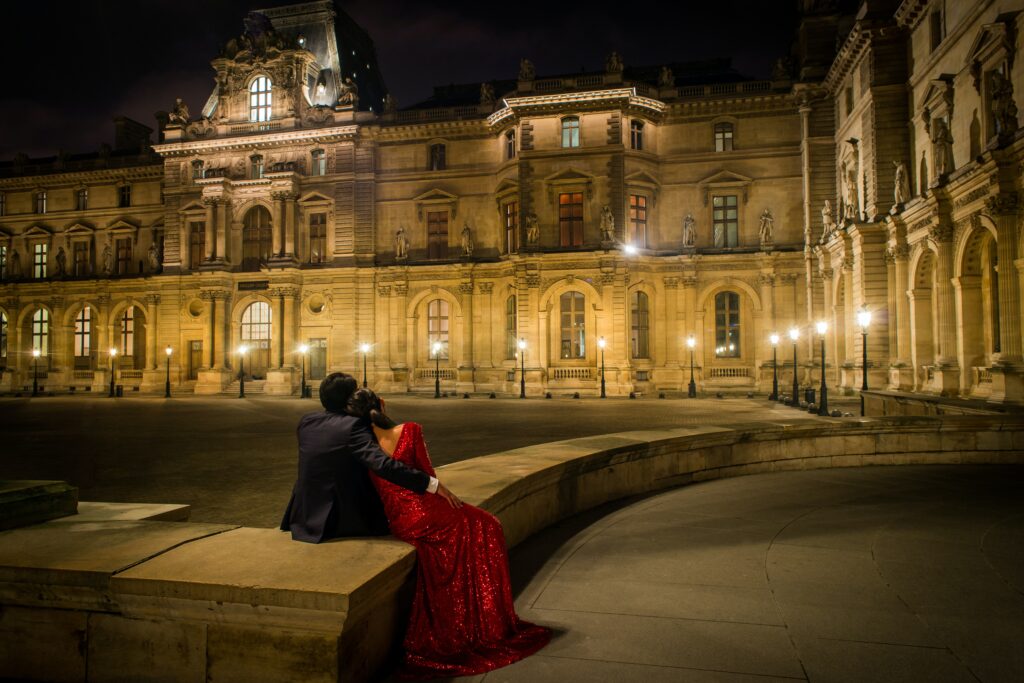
point(599, 218)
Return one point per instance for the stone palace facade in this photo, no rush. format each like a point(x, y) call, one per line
point(600, 219)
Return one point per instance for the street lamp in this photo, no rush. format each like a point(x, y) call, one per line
point(601, 344)
point(774, 338)
point(794, 334)
point(241, 370)
point(167, 384)
point(691, 342)
point(365, 348)
point(437, 369)
point(522, 370)
point(35, 371)
point(864, 320)
point(113, 355)
point(823, 402)
point(304, 349)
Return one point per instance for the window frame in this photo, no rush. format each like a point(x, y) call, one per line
point(318, 162)
point(256, 167)
point(122, 255)
point(438, 328)
point(40, 332)
point(728, 325)
point(318, 236)
point(124, 196)
point(437, 156)
point(82, 199)
point(570, 127)
point(257, 239)
point(40, 260)
point(196, 247)
point(437, 239)
point(510, 217)
point(636, 134)
point(640, 325)
point(637, 224)
point(83, 337)
point(40, 201)
point(510, 145)
point(572, 312)
point(80, 267)
point(512, 327)
point(571, 227)
point(724, 135)
point(261, 99)
point(730, 238)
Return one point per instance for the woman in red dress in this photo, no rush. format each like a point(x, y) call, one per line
point(463, 620)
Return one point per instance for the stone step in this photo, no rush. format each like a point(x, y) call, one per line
point(30, 502)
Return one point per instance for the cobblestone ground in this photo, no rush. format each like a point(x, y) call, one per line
point(233, 460)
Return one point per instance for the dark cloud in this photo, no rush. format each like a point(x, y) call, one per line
point(93, 60)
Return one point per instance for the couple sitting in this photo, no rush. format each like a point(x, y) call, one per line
point(361, 473)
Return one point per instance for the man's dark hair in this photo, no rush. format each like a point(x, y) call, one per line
point(336, 390)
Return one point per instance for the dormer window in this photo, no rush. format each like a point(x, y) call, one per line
point(256, 166)
point(319, 159)
point(571, 131)
point(259, 99)
point(41, 202)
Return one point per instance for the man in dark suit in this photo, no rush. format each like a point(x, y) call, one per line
point(333, 495)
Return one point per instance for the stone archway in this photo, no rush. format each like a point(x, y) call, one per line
point(924, 332)
point(977, 306)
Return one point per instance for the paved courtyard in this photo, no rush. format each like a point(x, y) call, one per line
point(874, 574)
point(234, 460)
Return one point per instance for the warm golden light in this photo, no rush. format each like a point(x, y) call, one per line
point(365, 348)
point(168, 351)
point(36, 353)
point(113, 352)
point(243, 349)
point(303, 348)
point(864, 318)
point(601, 342)
point(437, 348)
point(691, 342)
point(822, 327)
point(629, 249)
point(774, 338)
point(522, 344)
point(794, 333)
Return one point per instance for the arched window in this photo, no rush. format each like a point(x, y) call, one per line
point(3, 339)
point(727, 325)
point(571, 131)
point(511, 328)
point(128, 332)
point(723, 137)
point(640, 325)
point(256, 239)
point(255, 335)
point(437, 327)
point(259, 99)
point(992, 275)
point(83, 339)
point(573, 335)
point(41, 332)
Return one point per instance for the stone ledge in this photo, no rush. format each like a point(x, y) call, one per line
point(30, 502)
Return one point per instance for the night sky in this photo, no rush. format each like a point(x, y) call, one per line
point(72, 66)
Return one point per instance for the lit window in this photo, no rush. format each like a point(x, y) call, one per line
point(570, 219)
point(256, 335)
point(82, 199)
point(319, 162)
point(510, 145)
point(259, 99)
point(41, 202)
point(124, 255)
point(40, 260)
point(638, 220)
point(727, 325)
point(636, 134)
point(83, 338)
point(640, 325)
point(571, 131)
point(127, 335)
point(196, 244)
point(726, 220)
point(124, 196)
point(255, 166)
point(41, 332)
point(437, 234)
point(510, 210)
point(438, 162)
point(573, 336)
point(723, 137)
point(256, 239)
point(317, 237)
point(511, 328)
point(437, 327)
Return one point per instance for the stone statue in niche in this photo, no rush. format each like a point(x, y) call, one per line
point(1004, 109)
point(766, 229)
point(613, 64)
point(689, 231)
point(486, 94)
point(526, 70)
point(15, 262)
point(607, 224)
point(467, 240)
point(401, 245)
point(108, 260)
point(390, 106)
point(179, 114)
point(901, 184)
point(942, 148)
point(349, 95)
point(532, 229)
point(827, 221)
point(666, 79)
point(62, 262)
point(153, 258)
point(851, 196)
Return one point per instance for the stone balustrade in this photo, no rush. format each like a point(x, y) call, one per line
point(144, 600)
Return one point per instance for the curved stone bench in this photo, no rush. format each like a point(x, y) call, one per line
point(190, 602)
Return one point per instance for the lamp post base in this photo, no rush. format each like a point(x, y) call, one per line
point(691, 391)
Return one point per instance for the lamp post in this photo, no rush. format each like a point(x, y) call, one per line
point(823, 402)
point(691, 342)
point(241, 370)
point(437, 369)
point(304, 349)
point(35, 371)
point(167, 383)
point(774, 338)
point(864, 320)
point(365, 348)
point(113, 355)
point(522, 367)
point(794, 334)
point(601, 343)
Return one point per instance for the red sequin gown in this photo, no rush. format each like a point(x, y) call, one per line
point(463, 619)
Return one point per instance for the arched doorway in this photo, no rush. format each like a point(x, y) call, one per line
point(255, 336)
point(977, 286)
point(923, 330)
point(130, 339)
point(256, 239)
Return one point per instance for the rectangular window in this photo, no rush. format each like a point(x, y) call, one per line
point(83, 337)
point(723, 137)
point(636, 134)
point(570, 219)
point(128, 336)
point(256, 167)
point(726, 220)
point(570, 132)
point(511, 329)
point(80, 258)
point(317, 358)
point(124, 255)
point(40, 202)
point(317, 237)
point(640, 325)
point(197, 169)
point(510, 211)
point(124, 196)
point(82, 199)
point(437, 328)
point(41, 334)
point(319, 162)
point(573, 314)
point(510, 145)
point(437, 234)
point(196, 244)
point(40, 260)
point(727, 325)
point(638, 220)
point(849, 100)
point(438, 161)
point(935, 29)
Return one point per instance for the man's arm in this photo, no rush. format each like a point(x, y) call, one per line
point(380, 463)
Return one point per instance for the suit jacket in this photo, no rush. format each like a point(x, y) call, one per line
point(333, 495)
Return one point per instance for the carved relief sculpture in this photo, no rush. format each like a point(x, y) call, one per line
point(689, 231)
point(526, 70)
point(942, 148)
point(766, 229)
point(1004, 109)
point(827, 221)
point(108, 260)
point(62, 262)
point(901, 184)
point(607, 224)
point(467, 240)
point(154, 261)
point(401, 245)
point(532, 229)
point(851, 202)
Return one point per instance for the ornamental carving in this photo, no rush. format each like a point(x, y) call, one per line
point(1003, 203)
point(383, 291)
point(766, 279)
point(940, 232)
point(789, 278)
point(465, 288)
point(972, 196)
point(319, 114)
point(689, 282)
point(533, 280)
point(671, 283)
point(401, 289)
point(486, 287)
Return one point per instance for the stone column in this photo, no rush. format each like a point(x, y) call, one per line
point(210, 334)
point(1008, 369)
point(222, 229)
point(289, 304)
point(211, 228)
point(224, 348)
point(947, 373)
point(59, 357)
point(277, 327)
point(152, 325)
point(278, 227)
point(901, 378)
point(673, 336)
point(290, 237)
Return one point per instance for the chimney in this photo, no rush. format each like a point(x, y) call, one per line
point(130, 134)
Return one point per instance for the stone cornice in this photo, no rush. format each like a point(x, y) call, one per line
point(95, 177)
point(258, 141)
point(910, 13)
point(558, 102)
point(853, 48)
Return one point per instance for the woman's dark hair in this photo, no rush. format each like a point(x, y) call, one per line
point(336, 390)
point(366, 405)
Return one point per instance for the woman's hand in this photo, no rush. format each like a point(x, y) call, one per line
point(452, 499)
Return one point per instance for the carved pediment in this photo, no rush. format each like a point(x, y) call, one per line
point(938, 97)
point(507, 185)
point(192, 206)
point(79, 229)
point(642, 178)
point(436, 199)
point(38, 230)
point(724, 180)
point(992, 45)
point(569, 175)
point(315, 198)
point(435, 195)
point(123, 226)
